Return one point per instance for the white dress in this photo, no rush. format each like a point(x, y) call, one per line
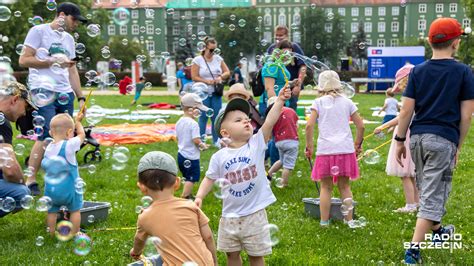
point(393, 168)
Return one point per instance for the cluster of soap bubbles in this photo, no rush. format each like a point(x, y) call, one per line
point(9, 204)
point(120, 157)
point(94, 114)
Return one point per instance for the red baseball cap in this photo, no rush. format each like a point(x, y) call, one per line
point(444, 29)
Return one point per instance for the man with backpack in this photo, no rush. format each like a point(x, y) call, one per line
point(184, 76)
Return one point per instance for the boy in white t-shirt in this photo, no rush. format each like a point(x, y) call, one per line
point(390, 106)
point(189, 142)
point(239, 170)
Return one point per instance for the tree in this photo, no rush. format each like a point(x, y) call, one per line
point(466, 50)
point(127, 52)
point(243, 40)
point(322, 35)
point(358, 46)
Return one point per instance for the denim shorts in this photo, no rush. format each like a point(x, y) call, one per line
point(52, 109)
point(191, 172)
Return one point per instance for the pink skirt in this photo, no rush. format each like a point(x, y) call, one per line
point(393, 168)
point(335, 165)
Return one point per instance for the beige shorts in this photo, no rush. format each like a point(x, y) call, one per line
point(245, 233)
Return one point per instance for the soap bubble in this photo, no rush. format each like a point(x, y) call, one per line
point(349, 203)
point(91, 168)
point(40, 241)
point(344, 210)
point(209, 112)
point(121, 16)
point(39, 121)
point(82, 244)
point(335, 170)
point(27, 202)
point(362, 221)
point(242, 23)
point(263, 42)
point(199, 88)
point(64, 231)
point(20, 49)
point(170, 11)
point(330, 16)
point(201, 35)
point(109, 78)
point(93, 30)
point(318, 46)
point(44, 204)
point(380, 135)
point(37, 20)
point(187, 164)
point(19, 149)
point(17, 14)
point(221, 188)
point(146, 201)
point(347, 90)
point(160, 121)
point(42, 92)
point(57, 170)
point(274, 233)
point(90, 218)
point(94, 114)
point(63, 98)
point(80, 186)
point(279, 183)
point(105, 53)
point(371, 157)
point(51, 5)
point(221, 24)
point(188, 61)
point(5, 13)
point(217, 51)
point(299, 174)
point(362, 45)
point(152, 245)
point(201, 46)
point(8, 204)
point(157, 31)
point(232, 17)
point(231, 27)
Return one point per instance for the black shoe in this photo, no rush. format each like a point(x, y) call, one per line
point(190, 197)
point(34, 188)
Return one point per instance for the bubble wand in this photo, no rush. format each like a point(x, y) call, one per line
point(373, 133)
point(85, 102)
point(376, 148)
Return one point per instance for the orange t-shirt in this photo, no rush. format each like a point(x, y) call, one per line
point(177, 223)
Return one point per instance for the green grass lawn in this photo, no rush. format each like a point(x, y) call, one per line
point(302, 241)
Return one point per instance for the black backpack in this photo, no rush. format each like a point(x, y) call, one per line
point(257, 84)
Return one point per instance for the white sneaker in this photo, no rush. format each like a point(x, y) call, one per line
point(352, 223)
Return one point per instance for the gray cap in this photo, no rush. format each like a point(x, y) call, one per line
point(158, 160)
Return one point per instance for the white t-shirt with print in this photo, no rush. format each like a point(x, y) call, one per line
point(244, 168)
point(49, 43)
point(392, 106)
point(335, 136)
point(72, 146)
point(187, 129)
point(214, 65)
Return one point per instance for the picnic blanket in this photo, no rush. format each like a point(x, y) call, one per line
point(109, 135)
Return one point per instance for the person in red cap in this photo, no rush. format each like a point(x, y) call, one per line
point(440, 92)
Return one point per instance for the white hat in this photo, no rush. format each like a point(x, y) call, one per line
point(193, 100)
point(329, 80)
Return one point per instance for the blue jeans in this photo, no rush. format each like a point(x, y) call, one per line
point(138, 92)
point(14, 190)
point(215, 103)
point(52, 109)
point(293, 102)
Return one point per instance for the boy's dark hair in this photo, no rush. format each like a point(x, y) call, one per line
point(284, 44)
point(156, 179)
point(443, 45)
point(142, 78)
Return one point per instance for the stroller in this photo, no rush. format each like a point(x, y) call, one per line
point(25, 124)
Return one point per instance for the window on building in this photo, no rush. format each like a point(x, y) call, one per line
point(439, 8)
point(395, 10)
point(395, 26)
point(201, 14)
point(466, 23)
point(328, 27)
point(382, 11)
point(368, 11)
point(368, 26)
point(282, 19)
point(213, 13)
point(453, 7)
point(422, 8)
point(176, 14)
point(150, 29)
point(267, 20)
point(111, 29)
point(421, 24)
point(354, 26)
point(341, 11)
point(297, 36)
point(150, 45)
point(267, 36)
point(368, 42)
point(394, 42)
point(297, 19)
point(188, 14)
point(381, 42)
point(135, 29)
point(355, 11)
point(201, 28)
point(134, 14)
point(381, 26)
point(123, 30)
point(176, 30)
